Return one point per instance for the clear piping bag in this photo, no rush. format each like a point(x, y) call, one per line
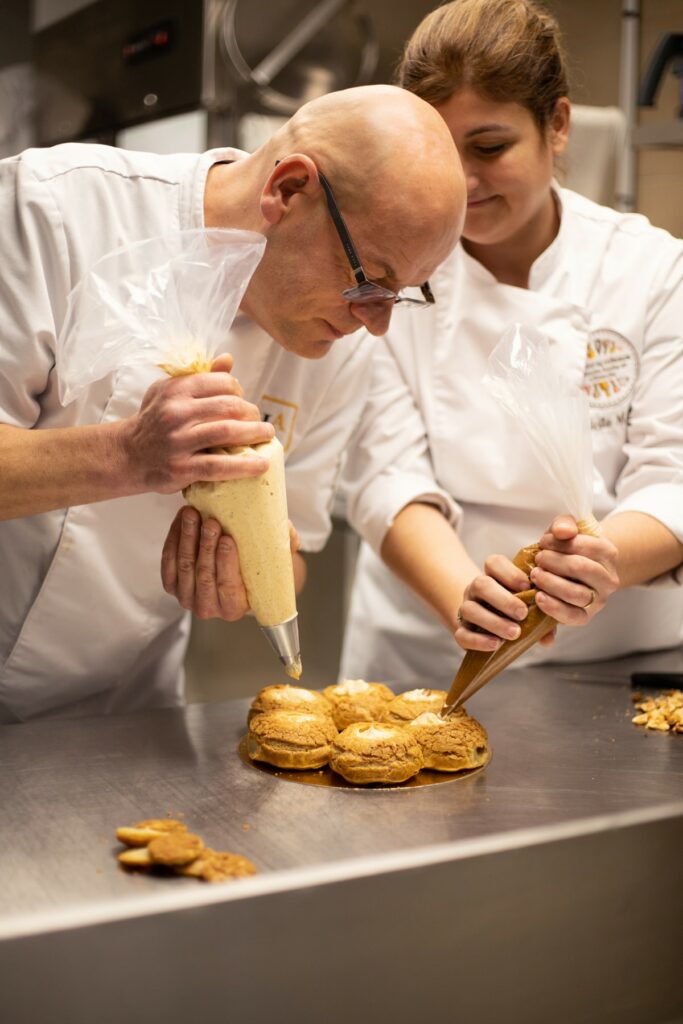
point(525, 378)
point(170, 302)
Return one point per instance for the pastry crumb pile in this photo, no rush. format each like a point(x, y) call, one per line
point(663, 712)
point(166, 843)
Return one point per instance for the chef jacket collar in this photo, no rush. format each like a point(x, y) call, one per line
point(192, 192)
point(542, 267)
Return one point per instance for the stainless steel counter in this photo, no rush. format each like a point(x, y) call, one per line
point(547, 888)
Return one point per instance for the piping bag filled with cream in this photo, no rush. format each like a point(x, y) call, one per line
point(528, 382)
point(254, 512)
point(170, 302)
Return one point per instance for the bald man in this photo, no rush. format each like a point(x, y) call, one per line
point(359, 196)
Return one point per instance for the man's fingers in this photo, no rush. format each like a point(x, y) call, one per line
point(204, 385)
point(187, 557)
point(230, 434)
point(200, 566)
point(169, 553)
point(232, 597)
point(294, 542)
point(226, 467)
point(222, 364)
point(205, 594)
point(222, 407)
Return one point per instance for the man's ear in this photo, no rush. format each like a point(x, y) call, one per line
point(559, 125)
point(294, 175)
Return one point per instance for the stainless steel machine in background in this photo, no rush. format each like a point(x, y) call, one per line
point(114, 64)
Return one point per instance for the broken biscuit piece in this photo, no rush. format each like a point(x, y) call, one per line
point(214, 866)
point(162, 825)
point(136, 858)
point(152, 828)
point(165, 843)
point(175, 848)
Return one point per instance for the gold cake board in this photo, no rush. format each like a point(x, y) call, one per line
point(326, 777)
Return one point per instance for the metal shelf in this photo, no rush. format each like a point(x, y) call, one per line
point(662, 134)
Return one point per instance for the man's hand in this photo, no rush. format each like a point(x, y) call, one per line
point(165, 444)
point(200, 567)
point(575, 575)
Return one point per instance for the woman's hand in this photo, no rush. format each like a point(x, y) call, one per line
point(200, 567)
point(575, 575)
point(490, 612)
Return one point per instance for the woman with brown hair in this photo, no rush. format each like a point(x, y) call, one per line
point(437, 477)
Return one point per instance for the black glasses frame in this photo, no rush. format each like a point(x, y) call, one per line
point(365, 289)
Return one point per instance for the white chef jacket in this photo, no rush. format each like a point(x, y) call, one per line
point(85, 625)
point(609, 292)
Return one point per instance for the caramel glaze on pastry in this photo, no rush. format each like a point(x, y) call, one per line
point(412, 703)
point(354, 700)
point(284, 697)
point(290, 739)
point(375, 752)
point(450, 744)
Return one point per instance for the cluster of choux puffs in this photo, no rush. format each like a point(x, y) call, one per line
point(363, 732)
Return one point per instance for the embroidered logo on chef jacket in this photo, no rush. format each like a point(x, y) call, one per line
point(611, 369)
point(282, 415)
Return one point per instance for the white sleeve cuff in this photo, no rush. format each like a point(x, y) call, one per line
point(373, 512)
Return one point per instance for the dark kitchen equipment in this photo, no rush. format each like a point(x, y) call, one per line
point(118, 63)
point(669, 51)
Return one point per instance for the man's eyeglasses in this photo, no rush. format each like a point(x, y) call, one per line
point(366, 290)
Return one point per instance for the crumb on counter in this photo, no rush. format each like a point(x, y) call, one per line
point(663, 712)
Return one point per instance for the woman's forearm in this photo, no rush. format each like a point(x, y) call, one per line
point(646, 547)
point(424, 551)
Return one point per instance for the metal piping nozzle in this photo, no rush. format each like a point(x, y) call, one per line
point(284, 639)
